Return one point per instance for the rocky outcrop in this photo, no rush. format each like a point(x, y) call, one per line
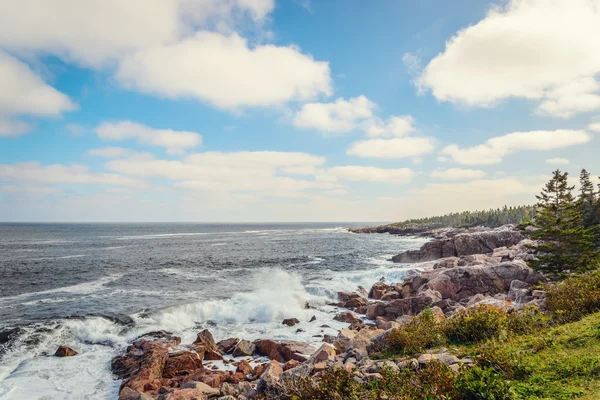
point(277, 351)
point(462, 244)
point(65, 351)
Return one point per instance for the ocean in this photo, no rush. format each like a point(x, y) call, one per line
point(96, 287)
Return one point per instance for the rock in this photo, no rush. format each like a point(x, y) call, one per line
point(412, 363)
point(211, 378)
point(391, 295)
point(181, 364)
point(538, 294)
point(206, 340)
point(346, 316)
point(324, 353)
point(226, 346)
point(291, 364)
point(129, 394)
point(410, 305)
point(276, 351)
point(329, 339)
point(164, 337)
point(462, 244)
point(149, 359)
point(183, 394)
point(213, 356)
point(313, 318)
point(378, 290)
point(65, 351)
point(235, 378)
point(342, 342)
point(290, 321)
point(236, 390)
point(244, 348)
point(244, 367)
point(202, 388)
point(425, 358)
point(376, 309)
point(270, 377)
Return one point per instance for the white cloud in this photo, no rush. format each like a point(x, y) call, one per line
point(176, 142)
point(528, 49)
point(108, 152)
point(58, 173)
point(392, 148)
point(394, 127)
point(12, 127)
point(372, 174)
point(594, 127)
point(224, 71)
point(494, 149)
point(77, 30)
point(76, 130)
point(339, 116)
point(229, 172)
point(25, 93)
point(458, 174)
point(412, 63)
point(557, 161)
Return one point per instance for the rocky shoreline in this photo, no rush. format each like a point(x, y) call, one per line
point(462, 270)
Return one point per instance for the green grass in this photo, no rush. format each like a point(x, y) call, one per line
point(561, 362)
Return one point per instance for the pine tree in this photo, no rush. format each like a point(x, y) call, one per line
point(566, 243)
point(587, 200)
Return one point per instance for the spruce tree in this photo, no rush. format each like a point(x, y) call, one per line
point(565, 243)
point(587, 200)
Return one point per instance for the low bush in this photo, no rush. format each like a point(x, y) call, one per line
point(422, 332)
point(504, 361)
point(481, 383)
point(574, 298)
point(529, 319)
point(476, 324)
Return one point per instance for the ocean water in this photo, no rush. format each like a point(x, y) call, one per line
point(96, 287)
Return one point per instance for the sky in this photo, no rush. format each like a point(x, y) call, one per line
point(291, 110)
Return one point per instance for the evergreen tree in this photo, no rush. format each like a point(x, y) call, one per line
point(587, 200)
point(566, 243)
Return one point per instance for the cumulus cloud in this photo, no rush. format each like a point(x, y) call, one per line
point(527, 49)
point(176, 142)
point(392, 148)
point(494, 149)
point(557, 161)
point(594, 127)
point(230, 172)
point(35, 172)
point(395, 126)
point(339, 116)
point(78, 32)
point(108, 152)
point(25, 93)
point(412, 63)
point(224, 71)
point(372, 174)
point(458, 174)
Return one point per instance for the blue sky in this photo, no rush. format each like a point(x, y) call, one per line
point(265, 110)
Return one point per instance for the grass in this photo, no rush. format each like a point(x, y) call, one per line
point(561, 362)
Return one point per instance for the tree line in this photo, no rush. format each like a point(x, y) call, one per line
point(492, 218)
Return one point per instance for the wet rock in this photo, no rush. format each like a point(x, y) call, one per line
point(213, 356)
point(313, 318)
point(65, 351)
point(206, 340)
point(150, 358)
point(391, 295)
point(244, 367)
point(164, 337)
point(129, 394)
point(290, 321)
point(181, 364)
point(378, 290)
point(376, 310)
point(244, 348)
point(226, 346)
point(346, 316)
point(276, 351)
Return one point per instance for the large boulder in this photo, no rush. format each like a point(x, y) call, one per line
point(462, 244)
point(270, 377)
point(227, 345)
point(205, 339)
point(244, 348)
point(181, 364)
point(276, 351)
point(142, 367)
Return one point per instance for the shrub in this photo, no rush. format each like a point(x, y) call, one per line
point(476, 324)
point(528, 320)
point(481, 383)
point(509, 364)
point(574, 298)
point(422, 332)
